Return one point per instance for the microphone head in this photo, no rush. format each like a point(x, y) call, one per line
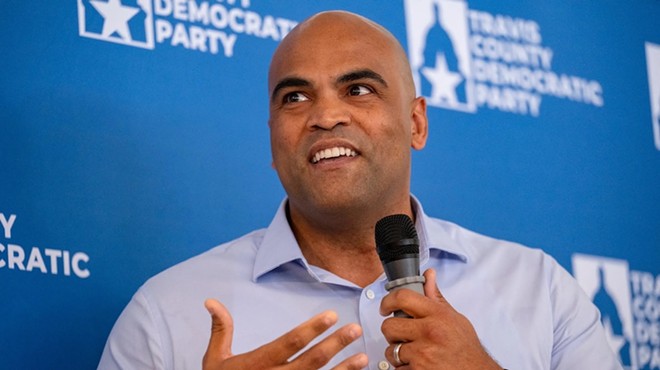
point(396, 238)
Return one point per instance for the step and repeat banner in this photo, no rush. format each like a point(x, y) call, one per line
point(134, 135)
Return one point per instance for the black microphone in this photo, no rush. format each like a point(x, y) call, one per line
point(398, 248)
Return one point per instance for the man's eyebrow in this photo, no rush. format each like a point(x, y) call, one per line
point(360, 75)
point(288, 82)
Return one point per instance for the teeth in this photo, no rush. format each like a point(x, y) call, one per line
point(333, 153)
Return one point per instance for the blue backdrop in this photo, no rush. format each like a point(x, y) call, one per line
point(134, 135)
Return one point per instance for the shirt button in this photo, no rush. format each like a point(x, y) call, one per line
point(370, 294)
point(383, 365)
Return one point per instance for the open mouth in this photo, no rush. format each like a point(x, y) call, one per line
point(331, 153)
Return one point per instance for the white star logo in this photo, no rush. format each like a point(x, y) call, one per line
point(443, 80)
point(116, 17)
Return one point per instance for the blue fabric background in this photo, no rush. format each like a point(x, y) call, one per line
point(142, 158)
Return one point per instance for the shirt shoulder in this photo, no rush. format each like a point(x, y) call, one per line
point(226, 262)
point(161, 326)
point(476, 247)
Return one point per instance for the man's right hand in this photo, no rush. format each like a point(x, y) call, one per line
point(277, 354)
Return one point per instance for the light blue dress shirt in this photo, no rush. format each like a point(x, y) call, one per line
point(528, 311)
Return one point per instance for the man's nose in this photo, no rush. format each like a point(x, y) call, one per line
point(329, 112)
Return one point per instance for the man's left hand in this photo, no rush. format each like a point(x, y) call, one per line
point(436, 337)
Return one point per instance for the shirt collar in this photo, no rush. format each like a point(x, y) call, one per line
point(436, 237)
point(279, 245)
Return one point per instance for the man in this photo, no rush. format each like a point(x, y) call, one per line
point(343, 117)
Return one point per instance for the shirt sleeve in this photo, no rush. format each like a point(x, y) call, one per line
point(579, 337)
point(134, 342)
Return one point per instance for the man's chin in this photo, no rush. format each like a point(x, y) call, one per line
point(340, 204)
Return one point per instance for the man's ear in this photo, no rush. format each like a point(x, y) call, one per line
point(420, 123)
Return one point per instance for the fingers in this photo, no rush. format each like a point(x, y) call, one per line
point(278, 352)
point(432, 303)
point(404, 300)
point(283, 348)
point(412, 303)
point(322, 352)
point(401, 361)
point(355, 362)
point(222, 330)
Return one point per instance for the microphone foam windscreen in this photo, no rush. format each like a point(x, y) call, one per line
point(395, 237)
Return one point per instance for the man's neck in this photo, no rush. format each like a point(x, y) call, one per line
point(342, 245)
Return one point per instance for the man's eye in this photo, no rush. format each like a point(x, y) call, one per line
point(357, 90)
point(295, 97)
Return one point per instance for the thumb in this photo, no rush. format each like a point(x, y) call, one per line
point(431, 287)
point(222, 332)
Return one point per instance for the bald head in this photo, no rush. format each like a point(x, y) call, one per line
point(339, 32)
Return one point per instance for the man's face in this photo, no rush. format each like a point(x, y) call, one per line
point(342, 118)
